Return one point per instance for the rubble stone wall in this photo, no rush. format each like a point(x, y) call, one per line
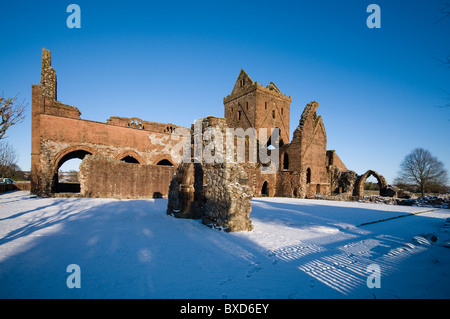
point(102, 176)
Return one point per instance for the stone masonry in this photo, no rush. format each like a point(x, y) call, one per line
point(217, 193)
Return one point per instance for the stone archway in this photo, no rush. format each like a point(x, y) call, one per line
point(359, 187)
point(66, 155)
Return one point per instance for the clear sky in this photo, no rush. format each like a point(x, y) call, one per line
point(174, 61)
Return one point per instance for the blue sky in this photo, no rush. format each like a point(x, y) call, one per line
point(171, 61)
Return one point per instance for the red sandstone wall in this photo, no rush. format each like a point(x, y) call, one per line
point(103, 177)
point(76, 132)
point(336, 161)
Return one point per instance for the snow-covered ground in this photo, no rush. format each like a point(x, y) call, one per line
point(298, 249)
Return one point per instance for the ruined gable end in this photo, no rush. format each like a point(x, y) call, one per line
point(243, 81)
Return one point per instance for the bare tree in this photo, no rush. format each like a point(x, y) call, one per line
point(11, 113)
point(8, 159)
point(421, 169)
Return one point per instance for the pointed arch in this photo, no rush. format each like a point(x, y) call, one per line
point(359, 187)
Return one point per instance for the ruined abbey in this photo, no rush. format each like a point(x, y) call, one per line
point(134, 158)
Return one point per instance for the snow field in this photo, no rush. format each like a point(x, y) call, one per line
point(298, 249)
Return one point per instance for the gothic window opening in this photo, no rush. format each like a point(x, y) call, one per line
point(286, 161)
point(169, 129)
point(265, 189)
point(135, 123)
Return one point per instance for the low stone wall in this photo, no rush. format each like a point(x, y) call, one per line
point(23, 186)
point(7, 188)
point(105, 177)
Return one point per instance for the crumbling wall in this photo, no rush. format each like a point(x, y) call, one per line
point(59, 134)
point(227, 197)
point(186, 192)
point(350, 184)
point(360, 182)
point(218, 193)
point(346, 183)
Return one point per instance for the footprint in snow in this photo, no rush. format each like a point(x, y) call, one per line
point(254, 270)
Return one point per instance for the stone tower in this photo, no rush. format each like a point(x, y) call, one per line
point(257, 106)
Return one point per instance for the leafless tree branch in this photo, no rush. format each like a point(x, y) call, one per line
point(12, 112)
point(8, 158)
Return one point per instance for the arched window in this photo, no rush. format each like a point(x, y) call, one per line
point(265, 189)
point(286, 161)
point(308, 176)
